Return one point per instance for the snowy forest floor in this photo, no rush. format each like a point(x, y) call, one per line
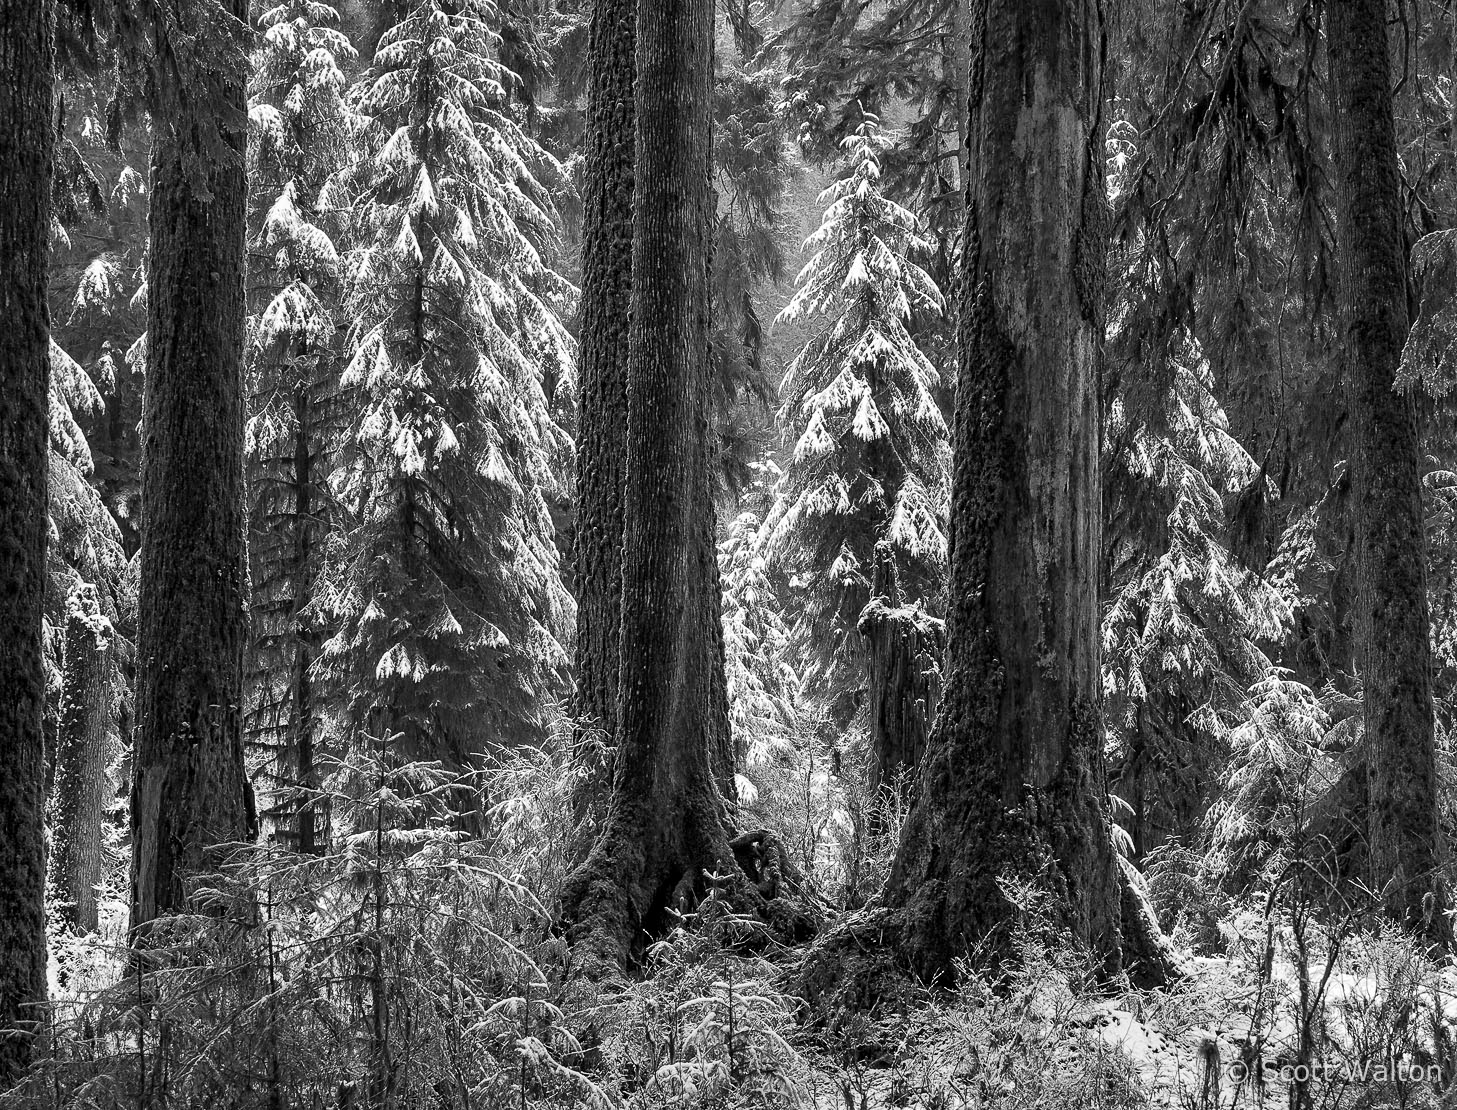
point(404, 967)
point(1364, 1020)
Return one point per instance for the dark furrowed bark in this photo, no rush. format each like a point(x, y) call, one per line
point(27, 147)
point(602, 437)
point(188, 788)
point(1012, 786)
point(666, 825)
point(1393, 649)
point(904, 648)
point(304, 761)
point(83, 760)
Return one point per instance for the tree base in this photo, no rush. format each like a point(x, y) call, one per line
point(612, 910)
point(1149, 956)
point(859, 967)
point(869, 962)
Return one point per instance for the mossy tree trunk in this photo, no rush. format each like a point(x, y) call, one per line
point(305, 760)
point(666, 824)
point(27, 146)
point(188, 787)
point(84, 753)
point(288, 513)
point(1013, 783)
point(903, 646)
point(607, 224)
point(1393, 650)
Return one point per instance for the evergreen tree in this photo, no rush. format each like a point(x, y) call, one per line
point(86, 747)
point(1232, 257)
point(297, 411)
point(90, 592)
point(1186, 624)
point(1393, 626)
point(607, 192)
point(758, 648)
point(662, 830)
point(188, 786)
point(98, 242)
point(1228, 533)
point(1274, 798)
point(870, 447)
point(27, 144)
point(1430, 368)
point(87, 542)
point(751, 170)
point(90, 617)
point(1012, 784)
point(1239, 263)
point(666, 828)
point(901, 60)
point(443, 585)
point(98, 275)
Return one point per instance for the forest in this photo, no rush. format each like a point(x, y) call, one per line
point(792, 554)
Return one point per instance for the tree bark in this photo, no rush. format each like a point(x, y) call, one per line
point(666, 824)
point(188, 785)
point(1013, 784)
point(305, 769)
point(903, 647)
point(281, 717)
point(602, 406)
point(83, 762)
point(27, 145)
point(1393, 649)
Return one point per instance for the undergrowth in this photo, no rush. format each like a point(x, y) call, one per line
point(412, 964)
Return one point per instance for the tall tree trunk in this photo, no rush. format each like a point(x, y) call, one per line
point(706, 584)
point(1013, 785)
point(666, 822)
point(188, 785)
point(306, 779)
point(1393, 651)
point(83, 761)
point(602, 435)
point(27, 145)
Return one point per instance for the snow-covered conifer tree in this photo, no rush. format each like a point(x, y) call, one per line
point(870, 445)
point(86, 543)
point(762, 683)
point(87, 701)
point(444, 586)
point(90, 597)
point(751, 168)
point(98, 272)
point(297, 412)
point(1188, 625)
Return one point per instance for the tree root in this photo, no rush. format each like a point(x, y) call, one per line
point(865, 964)
point(612, 911)
point(857, 968)
point(1149, 957)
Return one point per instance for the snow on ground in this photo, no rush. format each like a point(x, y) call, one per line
point(1225, 1039)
